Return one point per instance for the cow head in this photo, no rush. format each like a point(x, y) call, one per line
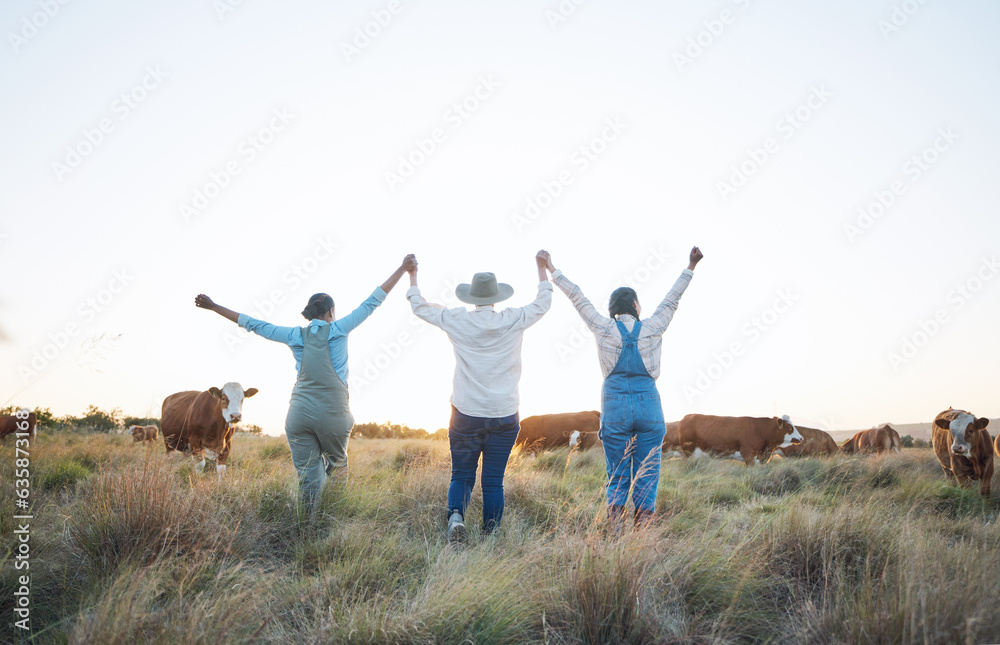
point(231, 396)
point(965, 430)
point(138, 433)
point(792, 435)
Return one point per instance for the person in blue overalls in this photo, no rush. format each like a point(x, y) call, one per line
point(319, 420)
point(632, 424)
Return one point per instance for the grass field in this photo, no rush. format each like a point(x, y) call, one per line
point(127, 546)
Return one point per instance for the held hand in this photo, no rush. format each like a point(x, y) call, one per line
point(542, 259)
point(204, 302)
point(410, 263)
point(696, 257)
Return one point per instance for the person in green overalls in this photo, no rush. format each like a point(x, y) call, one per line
point(319, 418)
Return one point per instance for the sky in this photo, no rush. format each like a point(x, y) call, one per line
point(835, 162)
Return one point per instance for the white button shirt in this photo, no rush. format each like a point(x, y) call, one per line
point(487, 350)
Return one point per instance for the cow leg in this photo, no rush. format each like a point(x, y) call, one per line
point(748, 456)
point(220, 462)
point(198, 455)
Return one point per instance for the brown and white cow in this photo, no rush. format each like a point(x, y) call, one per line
point(204, 420)
point(746, 438)
point(672, 439)
point(874, 441)
point(23, 421)
point(815, 443)
point(584, 440)
point(143, 433)
point(964, 447)
point(554, 430)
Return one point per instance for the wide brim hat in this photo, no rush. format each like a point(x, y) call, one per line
point(484, 290)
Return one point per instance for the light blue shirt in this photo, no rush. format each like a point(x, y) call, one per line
point(338, 331)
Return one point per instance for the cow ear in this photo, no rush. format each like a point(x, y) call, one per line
point(216, 392)
point(944, 424)
point(982, 422)
point(250, 392)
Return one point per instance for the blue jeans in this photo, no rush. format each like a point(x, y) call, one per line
point(471, 437)
point(632, 431)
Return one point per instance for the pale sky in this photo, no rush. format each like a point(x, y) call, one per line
point(256, 151)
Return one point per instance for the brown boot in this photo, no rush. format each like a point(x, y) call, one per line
point(643, 518)
point(616, 519)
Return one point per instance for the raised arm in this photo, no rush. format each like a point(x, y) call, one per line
point(350, 322)
point(427, 311)
point(534, 310)
point(660, 320)
point(409, 262)
point(204, 302)
point(263, 329)
point(591, 317)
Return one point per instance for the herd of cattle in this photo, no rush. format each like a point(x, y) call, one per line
point(961, 442)
point(204, 423)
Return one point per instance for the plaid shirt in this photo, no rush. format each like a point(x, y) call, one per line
point(609, 340)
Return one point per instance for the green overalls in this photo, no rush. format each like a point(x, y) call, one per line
point(319, 418)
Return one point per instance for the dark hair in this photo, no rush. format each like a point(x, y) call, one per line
point(623, 302)
point(319, 304)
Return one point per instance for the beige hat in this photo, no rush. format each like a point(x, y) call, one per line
point(484, 290)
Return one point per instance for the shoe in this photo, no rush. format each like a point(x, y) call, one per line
point(457, 534)
point(643, 518)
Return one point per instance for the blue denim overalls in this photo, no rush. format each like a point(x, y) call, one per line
point(632, 427)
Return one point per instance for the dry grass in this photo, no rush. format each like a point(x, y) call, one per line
point(128, 546)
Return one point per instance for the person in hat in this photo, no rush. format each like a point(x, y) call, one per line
point(484, 419)
point(319, 418)
point(632, 424)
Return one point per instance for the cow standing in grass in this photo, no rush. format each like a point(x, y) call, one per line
point(874, 441)
point(205, 421)
point(749, 439)
point(12, 424)
point(815, 443)
point(964, 447)
point(543, 431)
point(143, 433)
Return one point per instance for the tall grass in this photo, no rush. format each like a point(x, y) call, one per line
point(128, 546)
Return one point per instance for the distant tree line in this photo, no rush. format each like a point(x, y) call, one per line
point(114, 420)
point(389, 430)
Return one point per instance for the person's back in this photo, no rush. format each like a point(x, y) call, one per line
point(484, 420)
